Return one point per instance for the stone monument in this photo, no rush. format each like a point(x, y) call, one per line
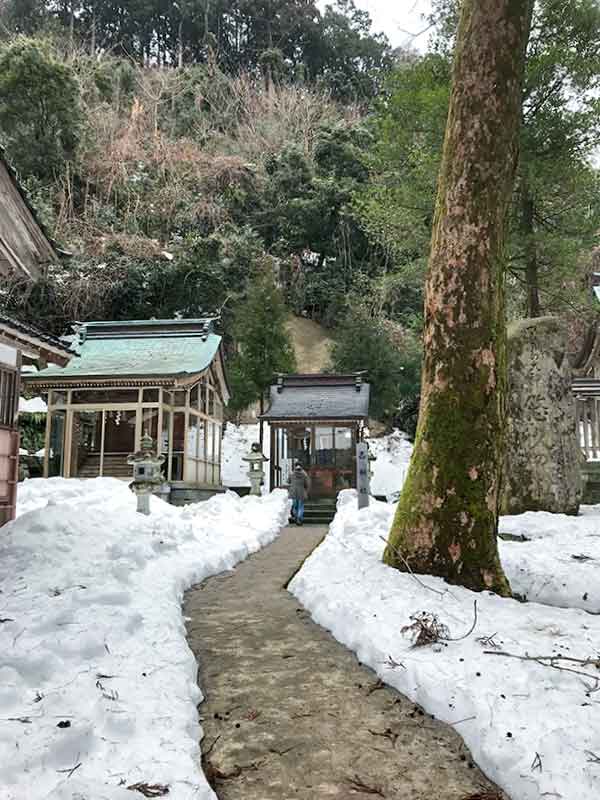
point(362, 474)
point(542, 456)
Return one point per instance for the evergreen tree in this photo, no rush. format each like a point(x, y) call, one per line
point(285, 37)
point(264, 345)
point(364, 342)
point(40, 111)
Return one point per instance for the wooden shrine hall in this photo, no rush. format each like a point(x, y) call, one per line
point(161, 377)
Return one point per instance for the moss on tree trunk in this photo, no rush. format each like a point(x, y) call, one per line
point(447, 518)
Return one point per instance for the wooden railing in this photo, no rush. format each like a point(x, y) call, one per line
point(587, 404)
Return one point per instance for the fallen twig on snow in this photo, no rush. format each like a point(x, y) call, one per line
point(409, 570)
point(550, 661)
point(427, 629)
point(536, 763)
point(466, 719)
point(150, 789)
point(471, 629)
point(592, 757)
point(393, 664)
point(591, 689)
point(70, 771)
point(488, 641)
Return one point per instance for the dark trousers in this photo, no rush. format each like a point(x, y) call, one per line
point(298, 510)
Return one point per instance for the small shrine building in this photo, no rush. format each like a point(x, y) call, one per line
point(317, 420)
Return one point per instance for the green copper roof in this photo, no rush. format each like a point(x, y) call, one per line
point(164, 348)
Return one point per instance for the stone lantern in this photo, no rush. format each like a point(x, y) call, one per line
point(256, 471)
point(147, 476)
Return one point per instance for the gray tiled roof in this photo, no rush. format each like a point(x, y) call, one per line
point(319, 402)
point(34, 333)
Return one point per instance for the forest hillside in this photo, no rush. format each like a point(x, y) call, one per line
point(186, 155)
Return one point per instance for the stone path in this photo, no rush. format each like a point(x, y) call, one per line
point(290, 713)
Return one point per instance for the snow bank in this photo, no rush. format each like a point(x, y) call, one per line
point(97, 684)
point(532, 729)
point(237, 440)
point(392, 454)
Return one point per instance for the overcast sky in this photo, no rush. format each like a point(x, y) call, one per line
point(395, 17)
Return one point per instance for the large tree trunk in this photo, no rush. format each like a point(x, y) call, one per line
point(446, 522)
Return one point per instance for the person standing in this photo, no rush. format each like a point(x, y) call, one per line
point(298, 490)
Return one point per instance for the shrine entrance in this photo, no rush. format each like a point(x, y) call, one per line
point(326, 452)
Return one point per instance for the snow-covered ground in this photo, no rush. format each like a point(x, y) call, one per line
point(392, 454)
point(98, 687)
point(533, 729)
point(560, 565)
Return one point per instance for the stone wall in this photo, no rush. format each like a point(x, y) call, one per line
point(543, 459)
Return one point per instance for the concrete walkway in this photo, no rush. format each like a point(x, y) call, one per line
point(290, 713)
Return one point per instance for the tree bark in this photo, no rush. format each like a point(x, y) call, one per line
point(447, 517)
point(180, 44)
point(531, 263)
point(261, 429)
point(93, 33)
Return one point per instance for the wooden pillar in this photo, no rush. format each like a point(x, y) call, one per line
point(67, 444)
point(138, 422)
point(186, 425)
point(159, 422)
point(272, 472)
point(47, 437)
point(170, 446)
point(102, 433)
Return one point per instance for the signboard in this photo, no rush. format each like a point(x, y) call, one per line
point(362, 474)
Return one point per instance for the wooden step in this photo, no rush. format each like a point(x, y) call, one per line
point(115, 466)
